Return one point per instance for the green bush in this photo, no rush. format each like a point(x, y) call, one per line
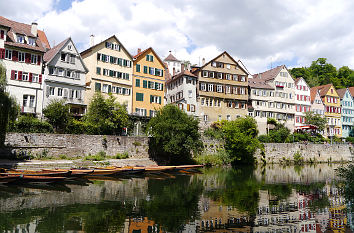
point(264, 138)
point(218, 159)
point(123, 155)
point(349, 139)
point(81, 127)
point(298, 159)
point(97, 157)
point(30, 124)
point(280, 134)
point(213, 133)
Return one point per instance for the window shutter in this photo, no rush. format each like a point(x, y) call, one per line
point(30, 77)
point(137, 68)
point(145, 69)
point(109, 88)
point(39, 57)
point(156, 85)
point(20, 75)
point(2, 34)
point(13, 74)
point(144, 84)
point(40, 78)
point(144, 112)
point(14, 55)
point(161, 87)
point(159, 99)
point(152, 58)
point(147, 57)
point(150, 112)
point(188, 107)
point(27, 57)
point(47, 91)
point(97, 86)
point(151, 98)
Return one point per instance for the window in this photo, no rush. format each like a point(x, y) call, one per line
point(20, 39)
point(228, 66)
point(228, 117)
point(97, 86)
point(60, 91)
point(190, 93)
point(34, 58)
point(210, 87)
point(61, 72)
point(35, 78)
point(32, 41)
point(213, 64)
point(68, 73)
point(21, 56)
point(140, 111)
point(202, 86)
point(155, 99)
point(72, 59)
point(51, 90)
point(98, 70)
point(8, 54)
point(205, 73)
point(283, 74)
point(69, 47)
point(228, 89)
point(219, 75)
point(219, 88)
point(137, 68)
point(149, 58)
point(63, 57)
point(145, 69)
point(137, 82)
point(151, 71)
point(205, 117)
point(28, 101)
point(139, 96)
point(25, 76)
point(243, 78)
point(106, 88)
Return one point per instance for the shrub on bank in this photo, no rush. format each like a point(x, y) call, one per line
point(30, 124)
point(81, 127)
point(220, 158)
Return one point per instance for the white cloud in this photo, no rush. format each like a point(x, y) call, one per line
point(257, 32)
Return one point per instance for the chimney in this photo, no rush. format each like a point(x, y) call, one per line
point(182, 67)
point(34, 29)
point(92, 40)
point(139, 50)
point(203, 61)
point(174, 71)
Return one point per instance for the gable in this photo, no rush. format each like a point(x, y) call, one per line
point(142, 58)
point(332, 92)
point(284, 74)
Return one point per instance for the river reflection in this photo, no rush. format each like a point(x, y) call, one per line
point(265, 199)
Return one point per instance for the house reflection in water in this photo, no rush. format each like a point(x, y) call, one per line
point(141, 225)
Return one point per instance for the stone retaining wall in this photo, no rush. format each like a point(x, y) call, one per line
point(276, 152)
point(73, 145)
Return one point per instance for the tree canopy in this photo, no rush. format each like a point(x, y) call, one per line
point(321, 72)
point(175, 135)
point(58, 114)
point(316, 120)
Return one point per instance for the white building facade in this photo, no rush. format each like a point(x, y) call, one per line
point(21, 51)
point(174, 65)
point(303, 102)
point(182, 91)
point(64, 77)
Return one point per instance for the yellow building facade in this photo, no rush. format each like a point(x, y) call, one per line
point(333, 110)
point(110, 68)
point(148, 83)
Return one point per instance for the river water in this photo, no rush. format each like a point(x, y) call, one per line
point(264, 199)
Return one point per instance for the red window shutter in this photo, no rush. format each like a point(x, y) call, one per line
point(28, 58)
point(39, 60)
point(20, 75)
point(40, 78)
point(2, 34)
point(2, 54)
point(30, 77)
point(12, 74)
point(14, 55)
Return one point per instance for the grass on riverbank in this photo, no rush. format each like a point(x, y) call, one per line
point(220, 158)
point(100, 156)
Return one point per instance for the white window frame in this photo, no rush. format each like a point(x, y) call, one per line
point(219, 88)
point(8, 54)
point(34, 59)
point(35, 78)
point(51, 90)
point(60, 91)
point(210, 87)
point(21, 56)
point(25, 76)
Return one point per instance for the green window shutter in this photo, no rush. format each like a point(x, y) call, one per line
point(161, 87)
point(151, 97)
point(156, 85)
point(151, 58)
point(145, 69)
point(98, 70)
point(149, 84)
point(159, 99)
point(144, 84)
point(111, 73)
point(139, 96)
point(161, 73)
point(109, 88)
point(150, 113)
point(97, 86)
point(137, 68)
point(137, 83)
point(147, 57)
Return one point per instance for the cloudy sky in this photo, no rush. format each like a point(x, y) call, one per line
point(261, 33)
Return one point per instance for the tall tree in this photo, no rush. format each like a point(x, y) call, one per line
point(316, 120)
point(58, 114)
point(324, 72)
point(346, 76)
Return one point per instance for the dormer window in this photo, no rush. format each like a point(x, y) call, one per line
point(31, 41)
point(20, 39)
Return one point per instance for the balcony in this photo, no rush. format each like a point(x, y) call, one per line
point(26, 109)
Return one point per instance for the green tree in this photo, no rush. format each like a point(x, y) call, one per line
point(58, 115)
point(279, 134)
point(241, 140)
point(316, 120)
point(305, 73)
point(175, 135)
point(108, 115)
point(345, 76)
point(325, 72)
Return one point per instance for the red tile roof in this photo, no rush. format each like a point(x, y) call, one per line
point(136, 56)
point(258, 83)
point(323, 89)
point(351, 90)
point(341, 92)
point(43, 37)
point(313, 93)
point(52, 52)
point(269, 74)
point(170, 57)
point(183, 73)
point(23, 29)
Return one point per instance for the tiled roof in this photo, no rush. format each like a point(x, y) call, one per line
point(258, 83)
point(52, 52)
point(351, 90)
point(323, 89)
point(269, 74)
point(183, 73)
point(153, 51)
point(23, 29)
point(136, 56)
point(170, 57)
point(43, 37)
point(341, 92)
point(313, 93)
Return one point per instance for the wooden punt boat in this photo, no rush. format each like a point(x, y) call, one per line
point(159, 169)
point(38, 173)
point(76, 173)
point(8, 179)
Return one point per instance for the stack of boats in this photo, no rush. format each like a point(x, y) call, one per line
point(10, 176)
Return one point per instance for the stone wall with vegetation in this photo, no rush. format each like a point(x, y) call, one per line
point(72, 145)
point(290, 152)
